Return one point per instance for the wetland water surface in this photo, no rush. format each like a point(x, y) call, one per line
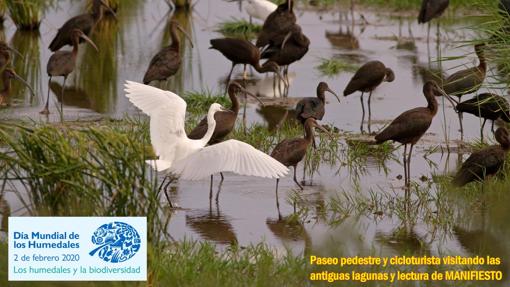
point(371, 216)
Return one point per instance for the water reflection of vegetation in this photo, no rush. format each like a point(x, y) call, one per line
point(98, 69)
point(29, 68)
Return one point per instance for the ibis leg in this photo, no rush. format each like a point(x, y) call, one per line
point(481, 129)
point(46, 111)
point(245, 73)
point(165, 190)
point(362, 113)
point(405, 164)
point(461, 127)
point(210, 188)
point(222, 177)
point(295, 179)
point(228, 78)
point(62, 100)
point(369, 112)
point(492, 127)
point(409, 165)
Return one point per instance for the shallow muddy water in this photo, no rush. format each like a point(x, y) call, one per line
point(246, 212)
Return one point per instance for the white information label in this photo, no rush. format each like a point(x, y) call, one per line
point(77, 248)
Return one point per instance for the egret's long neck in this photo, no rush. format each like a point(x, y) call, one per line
point(211, 125)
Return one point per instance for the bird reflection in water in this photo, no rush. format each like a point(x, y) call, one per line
point(212, 225)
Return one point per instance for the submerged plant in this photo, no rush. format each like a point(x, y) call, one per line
point(333, 66)
point(237, 28)
point(26, 14)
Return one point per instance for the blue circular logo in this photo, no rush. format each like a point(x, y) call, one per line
point(118, 242)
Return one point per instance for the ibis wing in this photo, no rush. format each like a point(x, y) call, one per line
point(229, 156)
point(167, 112)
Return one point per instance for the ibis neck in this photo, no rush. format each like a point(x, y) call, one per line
point(432, 103)
point(76, 43)
point(7, 85)
point(483, 64)
point(235, 103)
point(211, 126)
point(321, 95)
point(176, 41)
point(309, 134)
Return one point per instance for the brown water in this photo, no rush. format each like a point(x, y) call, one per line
point(247, 212)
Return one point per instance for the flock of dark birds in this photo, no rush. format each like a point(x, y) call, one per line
point(280, 43)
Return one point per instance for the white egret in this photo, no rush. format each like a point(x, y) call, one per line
point(260, 9)
point(192, 159)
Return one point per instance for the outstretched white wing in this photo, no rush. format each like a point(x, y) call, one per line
point(167, 112)
point(228, 156)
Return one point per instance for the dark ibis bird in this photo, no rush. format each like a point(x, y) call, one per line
point(279, 22)
point(7, 75)
point(411, 125)
point(366, 80)
point(225, 121)
point(286, 49)
point(241, 51)
point(292, 151)
point(62, 63)
point(84, 22)
point(485, 162)
point(314, 107)
point(467, 81)
point(431, 9)
point(167, 61)
point(488, 107)
point(5, 55)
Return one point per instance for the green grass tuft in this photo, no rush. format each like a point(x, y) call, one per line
point(239, 28)
point(26, 14)
point(334, 66)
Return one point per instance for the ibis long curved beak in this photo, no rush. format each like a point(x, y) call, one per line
point(287, 37)
point(185, 34)
point(109, 9)
point(334, 94)
point(84, 37)
point(450, 99)
point(15, 51)
point(324, 130)
point(17, 77)
point(253, 96)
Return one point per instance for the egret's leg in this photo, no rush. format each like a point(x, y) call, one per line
point(219, 190)
point(161, 185)
point(210, 188)
point(166, 193)
point(277, 201)
point(295, 179)
point(369, 111)
point(46, 111)
point(362, 112)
